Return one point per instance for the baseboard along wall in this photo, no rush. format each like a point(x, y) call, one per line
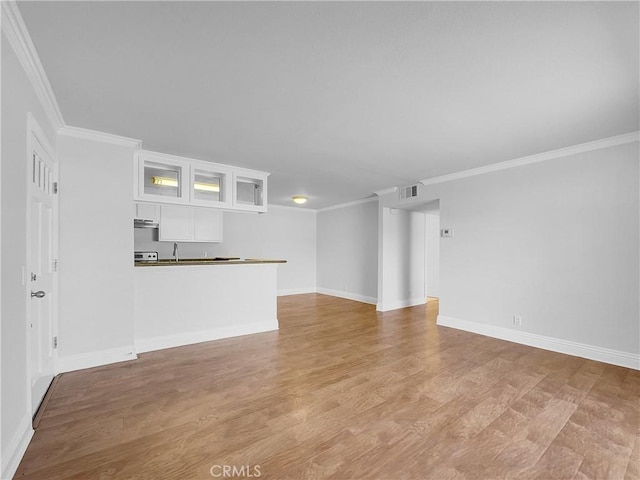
point(591, 352)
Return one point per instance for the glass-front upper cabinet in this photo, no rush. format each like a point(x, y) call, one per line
point(250, 190)
point(162, 178)
point(210, 185)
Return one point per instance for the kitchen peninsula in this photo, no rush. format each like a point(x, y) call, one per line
point(198, 300)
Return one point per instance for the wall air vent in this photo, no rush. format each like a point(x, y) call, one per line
point(409, 192)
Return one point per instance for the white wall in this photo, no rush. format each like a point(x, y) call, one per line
point(348, 251)
point(18, 98)
point(555, 242)
point(181, 305)
point(432, 254)
point(285, 233)
point(96, 245)
point(1, 450)
point(402, 276)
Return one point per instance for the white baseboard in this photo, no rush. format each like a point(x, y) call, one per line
point(433, 293)
point(385, 307)
point(348, 295)
point(95, 359)
point(600, 354)
point(296, 291)
point(12, 454)
point(189, 338)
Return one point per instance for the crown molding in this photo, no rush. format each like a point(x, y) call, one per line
point(325, 209)
point(275, 206)
point(540, 157)
point(96, 136)
point(386, 191)
point(16, 32)
point(348, 204)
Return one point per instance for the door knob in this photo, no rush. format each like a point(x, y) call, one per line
point(38, 294)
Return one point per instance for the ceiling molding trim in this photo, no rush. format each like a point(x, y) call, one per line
point(16, 31)
point(348, 204)
point(291, 208)
point(96, 136)
point(540, 157)
point(386, 191)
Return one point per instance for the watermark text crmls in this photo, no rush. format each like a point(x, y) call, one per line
point(229, 471)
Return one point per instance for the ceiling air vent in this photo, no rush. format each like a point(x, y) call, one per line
point(409, 192)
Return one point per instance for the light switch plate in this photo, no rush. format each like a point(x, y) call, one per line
point(446, 232)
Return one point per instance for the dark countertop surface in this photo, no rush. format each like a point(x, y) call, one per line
point(207, 261)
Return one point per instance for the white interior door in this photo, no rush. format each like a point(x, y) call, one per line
point(41, 281)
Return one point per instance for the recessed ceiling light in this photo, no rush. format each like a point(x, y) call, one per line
point(299, 199)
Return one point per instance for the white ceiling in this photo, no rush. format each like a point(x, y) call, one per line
point(338, 100)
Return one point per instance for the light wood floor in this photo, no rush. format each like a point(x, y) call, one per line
point(343, 392)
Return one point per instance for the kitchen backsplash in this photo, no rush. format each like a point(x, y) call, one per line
point(146, 239)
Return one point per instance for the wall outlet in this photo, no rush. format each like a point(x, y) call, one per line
point(517, 320)
point(205, 254)
point(446, 232)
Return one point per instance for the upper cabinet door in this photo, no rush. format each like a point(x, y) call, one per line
point(207, 225)
point(176, 223)
point(210, 186)
point(162, 178)
point(250, 191)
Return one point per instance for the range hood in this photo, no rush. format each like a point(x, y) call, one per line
point(144, 223)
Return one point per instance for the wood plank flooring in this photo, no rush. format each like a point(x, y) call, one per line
point(339, 392)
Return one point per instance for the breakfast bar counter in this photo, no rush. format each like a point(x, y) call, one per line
point(192, 301)
point(206, 261)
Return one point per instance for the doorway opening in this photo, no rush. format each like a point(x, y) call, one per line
point(409, 255)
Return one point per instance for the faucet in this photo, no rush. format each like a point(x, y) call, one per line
point(175, 250)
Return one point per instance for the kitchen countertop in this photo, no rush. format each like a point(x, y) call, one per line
point(206, 261)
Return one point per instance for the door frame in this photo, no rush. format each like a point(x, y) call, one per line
point(36, 134)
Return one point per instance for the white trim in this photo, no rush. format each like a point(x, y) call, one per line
point(433, 292)
point(95, 359)
point(411, 302)
point(15, 450)
point(592, 352)
point(97, 136)
point(20, 40)
point(291, 208)
point(34, 128)
point(539, 157)
point(332, 207)
point(386, 191)
point(348, 295)
point(348, 204)
point(295, 291)
point(2, 456)
point(189, 338)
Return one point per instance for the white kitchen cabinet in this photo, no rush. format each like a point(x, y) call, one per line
point(207, 225)
point(162, 178)
point(176, 223)
point(190, 224)
point(210, 185)
point(167, 179)
point(250, 190)
point(147, 211)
